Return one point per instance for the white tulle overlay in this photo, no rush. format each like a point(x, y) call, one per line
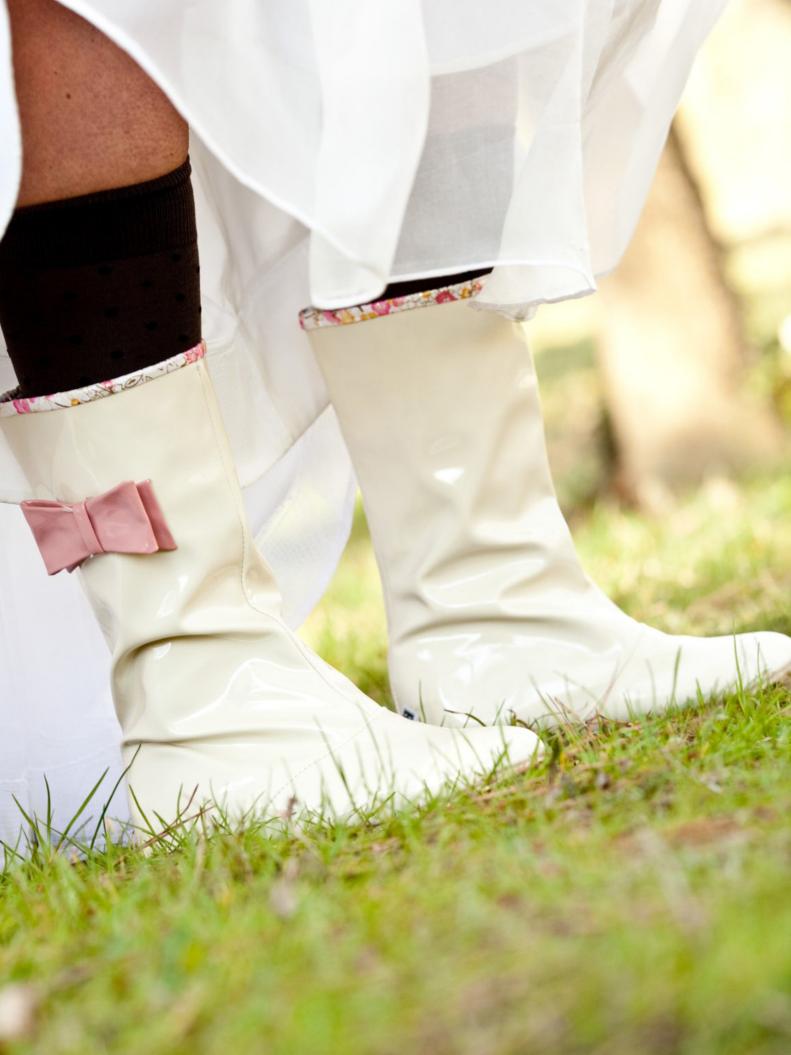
point(337, 146)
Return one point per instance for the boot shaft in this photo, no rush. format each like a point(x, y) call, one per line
point(167, 430)
point(441, 412)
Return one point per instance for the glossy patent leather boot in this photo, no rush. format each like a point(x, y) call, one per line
point(219, 702)
point(490, 612)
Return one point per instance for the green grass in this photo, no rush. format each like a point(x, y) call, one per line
point(629, 897)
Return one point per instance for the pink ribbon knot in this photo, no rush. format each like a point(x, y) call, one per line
point(126, 519)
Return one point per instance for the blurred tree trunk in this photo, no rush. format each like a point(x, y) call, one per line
point(673, 353)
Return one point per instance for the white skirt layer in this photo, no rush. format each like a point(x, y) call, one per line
point(336, 147)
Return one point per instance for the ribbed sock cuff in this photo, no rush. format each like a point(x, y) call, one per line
point(108, 225)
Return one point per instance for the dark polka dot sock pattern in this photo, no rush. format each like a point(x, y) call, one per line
point(101, 285)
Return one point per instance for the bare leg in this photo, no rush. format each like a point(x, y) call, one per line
point(99, 263)
point(91, 119)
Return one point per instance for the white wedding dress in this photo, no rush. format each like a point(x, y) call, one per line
point(337, 145)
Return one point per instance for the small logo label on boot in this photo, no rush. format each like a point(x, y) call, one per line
point(406, 713)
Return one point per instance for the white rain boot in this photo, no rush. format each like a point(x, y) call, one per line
point(219, 702)
point(490, 612)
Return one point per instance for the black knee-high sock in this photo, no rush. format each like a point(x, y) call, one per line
point(421, 285)
point(100, 285)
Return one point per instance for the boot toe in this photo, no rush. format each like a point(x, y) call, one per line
point(764, 657)
point(712, 666)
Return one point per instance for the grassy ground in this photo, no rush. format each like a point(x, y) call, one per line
point(628, 897)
